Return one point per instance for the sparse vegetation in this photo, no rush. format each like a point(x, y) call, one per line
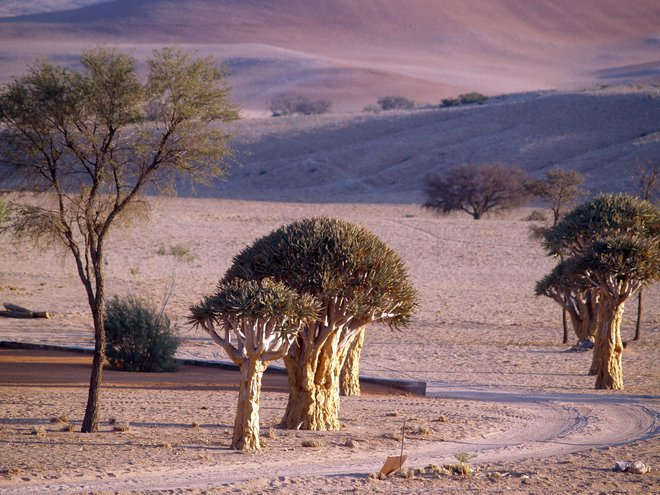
point(291, 104)
point(138, 338)
point(312, 444)
point(476, 190)
point(60, 418)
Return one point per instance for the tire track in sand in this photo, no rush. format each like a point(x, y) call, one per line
point(560, 424)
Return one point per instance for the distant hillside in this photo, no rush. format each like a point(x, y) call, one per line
point(352, 52)
point(384, 157)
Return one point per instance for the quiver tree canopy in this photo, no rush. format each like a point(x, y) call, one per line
point(258, 321)
point(605, 215)
point(356, 279)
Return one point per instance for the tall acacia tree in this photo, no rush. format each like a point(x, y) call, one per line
point(91, 141)
point(255, 323)
point(356, 279)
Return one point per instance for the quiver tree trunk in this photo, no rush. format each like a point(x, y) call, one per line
point(608, 349)
point(314, 385)
point(584, 317)
point(349, 380)
point(246, 425)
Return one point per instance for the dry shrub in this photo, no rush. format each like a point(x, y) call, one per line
point(312, 443)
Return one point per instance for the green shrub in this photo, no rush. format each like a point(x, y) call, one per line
point(136, 339)
point(470, 98)
point(395, 103)
point(464, 99)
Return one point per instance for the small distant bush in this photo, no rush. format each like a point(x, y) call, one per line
point(464, 99)
point(138, 337)
point(536, 216)
point(395, 103)
point(290, 104)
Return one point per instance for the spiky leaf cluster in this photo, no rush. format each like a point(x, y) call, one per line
point(265, 299)
point(563, 279)
point(604, 216)
point(621, 261)
point(329, 258)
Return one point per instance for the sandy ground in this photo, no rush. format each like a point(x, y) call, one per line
point(486, 346)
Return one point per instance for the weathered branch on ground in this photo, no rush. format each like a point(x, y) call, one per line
point(15, 311)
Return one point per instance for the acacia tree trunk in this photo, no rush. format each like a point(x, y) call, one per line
point(349, 380)
point(314, 385)
point(609, 347)
point(564, 325)
point(96, 299)
point(246, 425)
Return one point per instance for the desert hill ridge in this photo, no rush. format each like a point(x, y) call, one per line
point(352, 52)
point(383, 158)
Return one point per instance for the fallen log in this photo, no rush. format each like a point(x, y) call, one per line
point(15, 311)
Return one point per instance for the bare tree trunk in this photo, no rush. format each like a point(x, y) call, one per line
point(564, 323)
point(349, 380)
point(314, 387)
point(609, 374)
point(246, 425)
point(638, 325)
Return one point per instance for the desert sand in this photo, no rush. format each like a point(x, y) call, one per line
point(571, 86)
point(488, 349)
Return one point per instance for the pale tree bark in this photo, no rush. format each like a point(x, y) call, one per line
point(609, 347)
point(314, 386)
point(246, 424)
point(584, 317)
point(256, 342)
point(349, 380)
point(314, 365)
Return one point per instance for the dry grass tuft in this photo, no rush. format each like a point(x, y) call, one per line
point(121, 426)
point(62, 418)
point(69, 427)
point(312, 443)
point(39, 431)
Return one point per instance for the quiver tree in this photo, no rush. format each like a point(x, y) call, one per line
point(476, 189)
point(255, 323)
point(588, 238)
point(617, 267)
point(91, 141)
point(574, 294)
point(356, 279)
